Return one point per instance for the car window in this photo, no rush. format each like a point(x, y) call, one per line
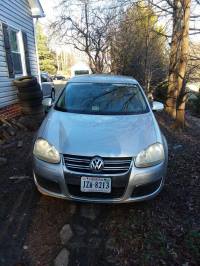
point(101, 98)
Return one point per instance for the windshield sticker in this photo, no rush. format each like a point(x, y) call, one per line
point(95, 108)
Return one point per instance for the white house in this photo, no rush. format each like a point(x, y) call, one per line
point(17, 45)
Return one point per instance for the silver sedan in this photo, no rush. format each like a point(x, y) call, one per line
point(100, 142)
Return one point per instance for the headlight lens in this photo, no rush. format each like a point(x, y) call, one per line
point(46, 152)
point(151, 156)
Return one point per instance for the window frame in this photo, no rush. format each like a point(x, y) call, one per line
point(20, 44)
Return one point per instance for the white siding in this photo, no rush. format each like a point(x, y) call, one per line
point(15, 13)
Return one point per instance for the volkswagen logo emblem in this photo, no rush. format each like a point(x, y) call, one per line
point(96, 164)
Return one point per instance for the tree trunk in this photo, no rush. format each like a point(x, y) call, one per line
point(171, 97)
point(180, 115)
point(180, 118)
point(174, 55)
point(146, 61)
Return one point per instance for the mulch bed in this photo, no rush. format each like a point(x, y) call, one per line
point(18, 195)
point(166, 230)
point(163, 231)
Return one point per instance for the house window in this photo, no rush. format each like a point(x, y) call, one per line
point(14, 37)
point(17, 52)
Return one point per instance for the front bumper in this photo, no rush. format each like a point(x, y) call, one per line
point(142, 184)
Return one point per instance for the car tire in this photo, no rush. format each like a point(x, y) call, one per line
point(30, 96)
point(38, 116)
point(34, 88)
point(25, 82)
point(28, 110)
point(35, 102)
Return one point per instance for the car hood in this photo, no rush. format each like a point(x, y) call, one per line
point(103, 135)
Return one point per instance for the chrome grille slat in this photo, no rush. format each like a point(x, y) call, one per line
point(76, 160)
point(117, 162)
point(77, 166)
point(113, 168)
point(112, 165)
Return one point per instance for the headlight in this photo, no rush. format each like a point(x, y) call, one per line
point(46, 152)
point(151, 156)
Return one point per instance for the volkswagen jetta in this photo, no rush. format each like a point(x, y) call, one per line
point(100, 142)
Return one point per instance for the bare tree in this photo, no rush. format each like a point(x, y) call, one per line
point(92, 30)
point(87, 29)
point(182, 70)
point(180, 11)
point(175, 104)
point(138, 47)
point(193, 71)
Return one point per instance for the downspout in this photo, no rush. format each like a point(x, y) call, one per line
point(35, 22)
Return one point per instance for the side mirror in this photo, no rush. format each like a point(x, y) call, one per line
point(53, 95)
point(157, 106)
point(47, 103)
point(44, 79)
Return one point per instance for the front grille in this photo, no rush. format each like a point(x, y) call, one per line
point(117, 165)
point(116, 192)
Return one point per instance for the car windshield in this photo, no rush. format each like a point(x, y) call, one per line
point(102, 98)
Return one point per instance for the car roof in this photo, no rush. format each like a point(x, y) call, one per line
point(102, 78)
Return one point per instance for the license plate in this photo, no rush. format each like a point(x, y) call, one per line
point(95, 184)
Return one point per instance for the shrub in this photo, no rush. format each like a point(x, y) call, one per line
point(194, 103)
point(160, 92)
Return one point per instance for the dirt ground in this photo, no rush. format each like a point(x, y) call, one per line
point(163, 231)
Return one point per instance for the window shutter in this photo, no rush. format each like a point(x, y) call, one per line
point(8, 51)
point(27, 59)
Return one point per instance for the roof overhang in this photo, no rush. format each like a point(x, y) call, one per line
point(36, 9)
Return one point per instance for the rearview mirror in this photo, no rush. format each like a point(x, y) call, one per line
point(157, 106)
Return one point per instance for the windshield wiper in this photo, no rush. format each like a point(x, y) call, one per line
point(60, 109)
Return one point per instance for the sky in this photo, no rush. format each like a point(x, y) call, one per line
point(49, 10)
point(50, 13)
